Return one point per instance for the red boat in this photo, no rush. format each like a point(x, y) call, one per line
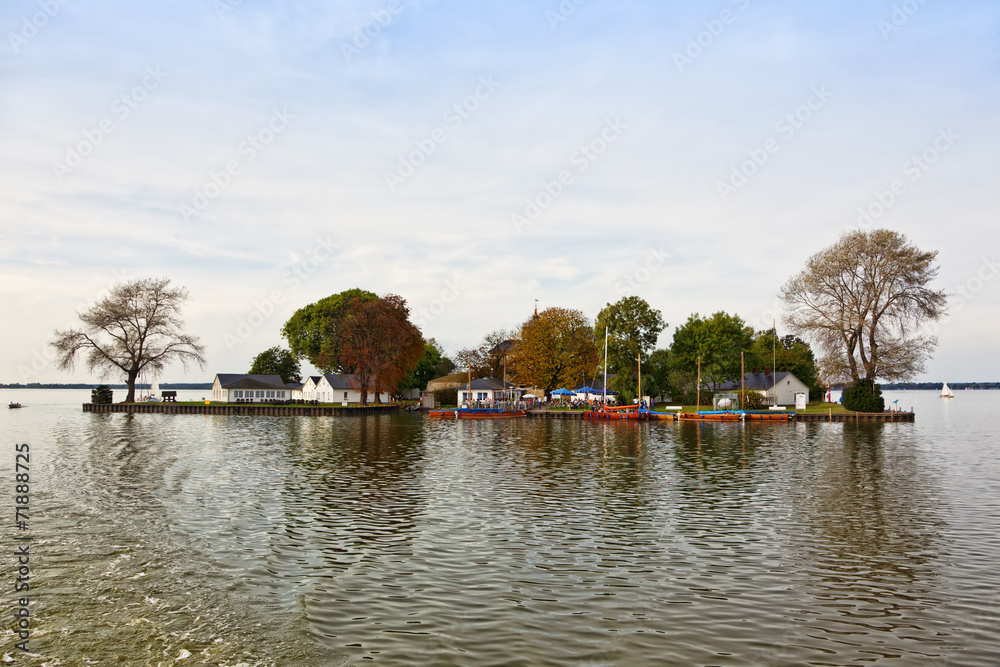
point(623, 412)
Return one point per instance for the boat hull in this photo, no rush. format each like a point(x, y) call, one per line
point(476, 414)
point(709, 416)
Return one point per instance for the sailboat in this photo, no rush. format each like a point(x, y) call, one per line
point(154, 390)
point(946, 391)
point(621, 412)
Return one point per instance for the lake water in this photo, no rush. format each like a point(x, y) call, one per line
point(227, 540)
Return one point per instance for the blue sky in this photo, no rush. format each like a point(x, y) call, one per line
point(474, 157)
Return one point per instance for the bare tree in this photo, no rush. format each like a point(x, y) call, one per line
point(863, 300)
point(137, 326)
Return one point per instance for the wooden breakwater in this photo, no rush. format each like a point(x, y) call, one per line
point(856, 417)
point(239, 409)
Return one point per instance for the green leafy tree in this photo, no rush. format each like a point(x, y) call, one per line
point(785, 354)
point(656, 374)
point(633, 328)
point(310, 331)
point(427, 368)
point(277, 361)
point(717, 340)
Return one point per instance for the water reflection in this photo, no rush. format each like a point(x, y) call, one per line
point(872, 542)
point(402, 540)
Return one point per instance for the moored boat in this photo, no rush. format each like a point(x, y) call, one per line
point(710, 415)
point(476, 413)
point(632, 412)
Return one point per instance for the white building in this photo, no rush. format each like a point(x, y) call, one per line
point(486, 389)
point(781, 386)
point(337, 388)
point(242, 388)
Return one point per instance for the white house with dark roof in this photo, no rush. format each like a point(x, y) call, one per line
point(782, 386)
point(485, 389)
point(341, 388)
point(309, 388)
point(243, 388)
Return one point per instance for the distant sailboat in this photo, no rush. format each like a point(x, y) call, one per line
point(946, 391)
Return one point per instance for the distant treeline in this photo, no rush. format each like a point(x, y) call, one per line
point(53, 385)
point(937, 385)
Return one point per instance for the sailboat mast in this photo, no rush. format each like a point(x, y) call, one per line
point(604, 389)
point(640, 377)
point(743, 388)
point(698, 387)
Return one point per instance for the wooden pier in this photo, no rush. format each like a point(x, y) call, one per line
point(240, 409)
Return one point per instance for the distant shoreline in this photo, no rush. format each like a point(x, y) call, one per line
point(164, 385)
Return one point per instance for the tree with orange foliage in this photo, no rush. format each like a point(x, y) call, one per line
point(556, 348)
point(377, 343)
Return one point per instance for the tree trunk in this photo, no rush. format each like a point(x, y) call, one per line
point(132, 375)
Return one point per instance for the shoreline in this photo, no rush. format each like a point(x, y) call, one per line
point(331, 411)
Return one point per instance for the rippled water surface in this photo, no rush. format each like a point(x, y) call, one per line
point(226, 540)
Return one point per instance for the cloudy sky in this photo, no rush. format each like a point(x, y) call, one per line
point(473, 157)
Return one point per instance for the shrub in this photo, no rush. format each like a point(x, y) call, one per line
point(865, 396)
point(101, 394)
point(446, 397)
point(753, 400)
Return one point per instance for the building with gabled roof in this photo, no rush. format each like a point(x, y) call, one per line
point(245, 388)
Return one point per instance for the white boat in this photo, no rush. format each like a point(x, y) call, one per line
point(946, 391)
point(154, 390)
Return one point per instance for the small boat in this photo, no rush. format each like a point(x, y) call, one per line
point(768, 416)
point(476, 413)
point(710, 415)
point(946, 391)
point(14, 405)
point(632, 412)
point(653, 414)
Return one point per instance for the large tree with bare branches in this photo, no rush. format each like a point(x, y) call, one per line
point(138, 326)
point(863, 300)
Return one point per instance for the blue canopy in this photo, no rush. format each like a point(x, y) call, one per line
point(587, 390)
point(562, 392)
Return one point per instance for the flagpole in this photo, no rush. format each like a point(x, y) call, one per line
point(774, 363)
point(743, 388)
point(698, 387)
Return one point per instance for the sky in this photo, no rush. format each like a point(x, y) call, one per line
point(474, 157)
